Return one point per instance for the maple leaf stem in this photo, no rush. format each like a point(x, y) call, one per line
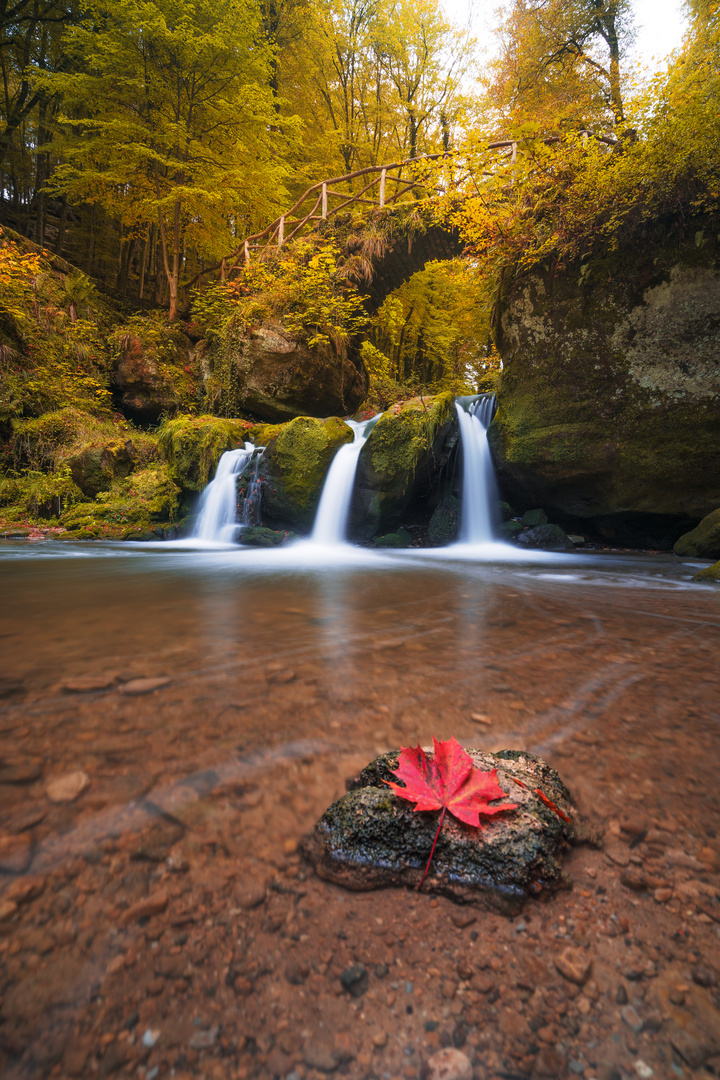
point(432, 850)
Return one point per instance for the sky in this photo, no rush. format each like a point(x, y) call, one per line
point(660, 25)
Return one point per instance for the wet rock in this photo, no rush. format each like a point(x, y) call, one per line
point(545, 537)
point(296, 973)
point(510, 529)
point(399, 539)
point(67, 788)
point(7, 910)
point(703, 542)
point(321, 1057)
point(549, 1063)
point(143, 388)
point(204, 1040)
point(258, 536)
point(709, 573)
point(20, 772)
point(448, 1064)
point(532, 518)
point(87, 684)
point(574, 965)
point(445, 523)
point(370, 838)
point(631, 1018)
point(634, 879)
point(355, 980)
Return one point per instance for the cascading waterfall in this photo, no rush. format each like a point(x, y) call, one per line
point(332, 513)
point(479, 490)
point(218, 503)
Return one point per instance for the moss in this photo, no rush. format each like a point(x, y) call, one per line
point(193, 445)
point(709, 574)
point(404, 434)
point(142, 505)
point(294, 466)
point(702, 542)
point(36, 496)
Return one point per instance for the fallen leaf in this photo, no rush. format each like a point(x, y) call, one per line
point(447, 781)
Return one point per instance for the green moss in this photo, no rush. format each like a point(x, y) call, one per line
point(702, 542)
point(295, 464)
point(137, 507)
point(404, 434)
point(193, 445)
point(36, 496)
point(709, 574)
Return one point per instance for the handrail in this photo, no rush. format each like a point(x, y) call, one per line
point(275, 232)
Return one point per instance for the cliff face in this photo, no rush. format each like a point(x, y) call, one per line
point(609, 410)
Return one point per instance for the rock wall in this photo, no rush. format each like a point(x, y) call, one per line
point(609, 409)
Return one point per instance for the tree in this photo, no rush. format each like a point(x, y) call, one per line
point(561, 62)
point(170, 120)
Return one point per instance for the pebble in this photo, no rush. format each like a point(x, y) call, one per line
point(379, 1038)
point(66, 788)
point(548, 1063)
point(143, 686)
point(634, 880)
point(676, 857)
point(461, 919)
point(643, 1069)
point(661, 896)
point(703, 976)
point(87, 684)
point(354, 979)
point(150, 1038)
point(204, 1040)
point(20, 772)
point(148, 906)
point(448, 1064)
point(574, 965)
point(323, 1058)
point(631, 1018)
point(618, 854)
point(7, 910)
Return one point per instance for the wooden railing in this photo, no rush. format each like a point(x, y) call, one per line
point(318, 202)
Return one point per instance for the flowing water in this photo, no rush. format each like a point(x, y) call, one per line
point(280, 674)
point(479, 489)
point(334, 507)
point(217, 510)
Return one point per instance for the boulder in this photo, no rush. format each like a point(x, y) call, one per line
point(609, 404)
point(371, 838)
point(545, 537)
point(277, 376)
point(258, 536)
point(399, 539)
point(141, 507)
point(294, 466)
point(444, 525)
point(401, 460)
point(708, 574)
point(94, 467)
point(510, 529)
point(532, 518)
point(149, 380)
point(703, 542)
point(193, 445)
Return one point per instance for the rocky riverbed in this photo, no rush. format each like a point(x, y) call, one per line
point(171, 731)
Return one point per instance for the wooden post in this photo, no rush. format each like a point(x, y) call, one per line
point(281, 231)
point(246, 248)
point(324, 201)
point(383, 175)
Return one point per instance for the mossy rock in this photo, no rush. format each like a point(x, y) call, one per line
point(399, 539)
point(709, 574)
point(258, 536)
point(510, 529)
point(193, 445)
point(404, 455)
point(609, 402)
point(546, 538)
point(444, 525)
point(533, 518)
point(371, 838)
point(143, 506)
point(294, 466)
point(153, 370)
point(703, 542)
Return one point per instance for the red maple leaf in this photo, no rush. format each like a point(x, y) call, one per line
point(447, 781)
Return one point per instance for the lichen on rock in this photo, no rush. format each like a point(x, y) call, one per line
point(370, 838)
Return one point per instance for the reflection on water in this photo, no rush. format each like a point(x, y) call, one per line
point(286, 671)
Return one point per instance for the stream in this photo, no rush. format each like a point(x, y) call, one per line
point(280, 674)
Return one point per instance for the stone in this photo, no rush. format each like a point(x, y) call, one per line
point(708, 574)
point(135, 687)
point(67, 788)
point(634, 331)
point(532, 518)
point(574, 965)
point(250, 894)
point(294, 466)
point(323, 1058)
point(444, 525)
point(546, 538)
point(296, 973)
point(548, 1063)
point(7, 909)
point(204, 1040)
point(448, 1064)
point(87, 684)
point(259, 536)
point(355, 980)
point(631, 1018)
point(145, 908)
point(370, 838)
point(702, 542)
point(634, 879)
point(20, 771)
point(401, 461)
point(144, 391)
point(704, 976)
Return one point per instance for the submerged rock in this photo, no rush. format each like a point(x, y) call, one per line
point(703, 542)
point(399, 539)
point(258, 536)
point(370, 838)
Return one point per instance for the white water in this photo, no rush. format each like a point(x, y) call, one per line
point(331, 519)
point(218, 503)
point(479, 490)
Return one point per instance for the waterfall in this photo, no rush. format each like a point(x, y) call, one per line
point(218, 503)
point(334, 508)
point(479, 490)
